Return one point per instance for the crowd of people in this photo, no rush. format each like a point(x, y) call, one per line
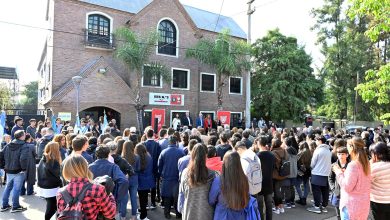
point(224, 173)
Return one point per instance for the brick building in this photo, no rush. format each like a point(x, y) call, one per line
point(82, 44)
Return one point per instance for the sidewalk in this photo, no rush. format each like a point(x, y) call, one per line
point(36, 209)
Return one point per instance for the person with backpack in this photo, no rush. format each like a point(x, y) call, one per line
point(14, 159)
point(267, 160)
point(280, 173)
point(321, 165)
point(127, 169)
point(289, 182)
point(49, 180)
point(229, 193)
point(81, 199)
point(304, 172)
point(251, 166)
point(195, 186)
point(103, 167)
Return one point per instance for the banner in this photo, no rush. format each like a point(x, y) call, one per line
point(160, 115)
point(224, 117)
point(166, 99)
point(65, 116)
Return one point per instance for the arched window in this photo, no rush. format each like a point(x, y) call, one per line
point(98, 30)
point(167, 38)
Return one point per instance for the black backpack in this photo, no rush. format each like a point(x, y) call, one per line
point(73, 207)
point(284, 169)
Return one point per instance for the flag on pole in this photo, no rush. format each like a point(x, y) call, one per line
point(77, 125)
point(2, 124)
point(105, 122)
point(53, 123)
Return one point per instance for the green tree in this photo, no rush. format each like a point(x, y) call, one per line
point(229, 57)
point(5, 97)
point(135, 52)
point(30, 94)
point(283, 83)
point(348, 54)
point(377, 85)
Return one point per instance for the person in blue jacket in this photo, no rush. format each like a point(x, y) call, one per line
point(103, 167)
point(168, 169)
point(146, 180)
point(229, 193)
point(154, 149)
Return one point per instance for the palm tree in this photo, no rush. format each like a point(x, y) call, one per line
point(135, 52)
point(228, 56)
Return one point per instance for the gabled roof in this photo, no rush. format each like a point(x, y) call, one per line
point(203, 19)
point(64, 89)
point(88, 72)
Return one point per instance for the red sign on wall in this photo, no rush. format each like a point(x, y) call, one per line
point(224, 117)
point(160, 115)
point(176, 99)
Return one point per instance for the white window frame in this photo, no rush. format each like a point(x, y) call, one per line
point(177, 37)
point(99, 13)
point(213, 112)
point(171, 118)
point(188, 78)
point(147, 86)
point(241, 84)
point(215, 82)
point(236, 113)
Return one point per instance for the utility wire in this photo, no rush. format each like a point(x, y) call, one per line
point(219, 15)
point(83, 35)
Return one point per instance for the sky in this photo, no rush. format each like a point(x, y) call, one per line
point(21, 46)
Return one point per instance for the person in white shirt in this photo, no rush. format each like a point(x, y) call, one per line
point(176, 122)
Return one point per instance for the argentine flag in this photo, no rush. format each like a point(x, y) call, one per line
point(2, 124)
point(105, 122)
point(77, 125)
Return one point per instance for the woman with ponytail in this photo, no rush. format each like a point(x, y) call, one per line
point(355, 182)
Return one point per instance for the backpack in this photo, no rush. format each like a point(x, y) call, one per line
point(73, 207)
point(284, 169)
point(255, 176)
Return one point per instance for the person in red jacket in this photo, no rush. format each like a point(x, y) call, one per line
point(213, 161)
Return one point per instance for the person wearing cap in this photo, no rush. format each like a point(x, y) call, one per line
point(32, 128)
point(168, 169)
point(18, 126)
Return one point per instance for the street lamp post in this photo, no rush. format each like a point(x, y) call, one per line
point(248, 76)
point(76, 82)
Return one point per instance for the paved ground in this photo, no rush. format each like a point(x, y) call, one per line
point(36, 207)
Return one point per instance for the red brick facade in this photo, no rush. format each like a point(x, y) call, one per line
point(113, 88)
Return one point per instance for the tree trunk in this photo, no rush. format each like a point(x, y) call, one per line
point(139, 108)
point(219, 92)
